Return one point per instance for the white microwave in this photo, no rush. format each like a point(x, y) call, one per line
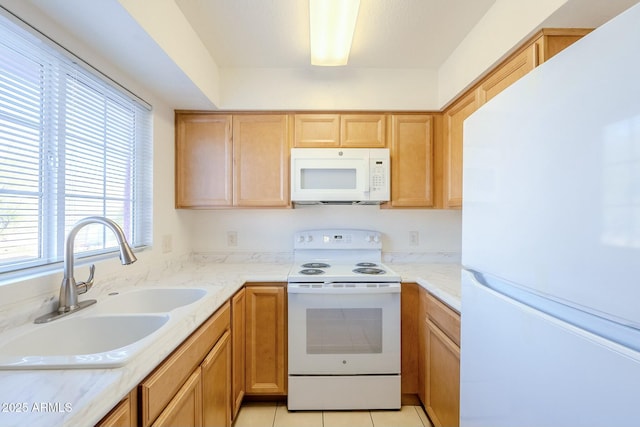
point(340, 175)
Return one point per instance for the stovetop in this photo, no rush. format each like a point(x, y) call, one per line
point(339, 255)
point(335, 271)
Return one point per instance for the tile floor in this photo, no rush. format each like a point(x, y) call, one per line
point(272, 414)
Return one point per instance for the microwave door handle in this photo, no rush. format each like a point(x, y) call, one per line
point(367, 181)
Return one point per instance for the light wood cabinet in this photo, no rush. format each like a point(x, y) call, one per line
point(317, 130)
point(508, 73)
point(537, 50)
point(124, 414)
point(266, 339)
point(442, 378)
point(238, 343)
point(411, 160)
point(454, 118)
point(185, 409)
point(216, 384)
point(261, 160)
point(232, 160)
point(172, 393)
point(551, 41)
point(366, 130)
point(439, 360)
point(203, 160)
point(363, 130)
point(409, 336)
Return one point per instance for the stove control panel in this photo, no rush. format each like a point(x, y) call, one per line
point(336, 239)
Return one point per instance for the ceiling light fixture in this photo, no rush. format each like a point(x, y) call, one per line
point(331, 24)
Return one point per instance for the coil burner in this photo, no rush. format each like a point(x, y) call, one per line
point(311, 271)
point(369, 270)
point(316, 265)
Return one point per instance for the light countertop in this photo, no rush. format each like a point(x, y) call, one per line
point(74, 397)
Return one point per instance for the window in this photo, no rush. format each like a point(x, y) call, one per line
point(72, 144)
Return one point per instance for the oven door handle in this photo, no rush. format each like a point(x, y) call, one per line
point(343, 290)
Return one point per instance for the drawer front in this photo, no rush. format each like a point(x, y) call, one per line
point(163, 383)
point(444, 317)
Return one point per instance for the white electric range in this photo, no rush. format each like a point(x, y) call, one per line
point(344, 323)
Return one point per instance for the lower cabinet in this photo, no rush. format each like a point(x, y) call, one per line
point(266, 339)
point(185, 409)
point(238, 343)
point(124, 414)
point(439, 360)
point(216, 384)
point(193, 385)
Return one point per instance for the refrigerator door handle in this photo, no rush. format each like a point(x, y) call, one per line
point(595, 323)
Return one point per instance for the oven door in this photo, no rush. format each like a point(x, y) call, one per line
point(329, 174)
point(346, 330)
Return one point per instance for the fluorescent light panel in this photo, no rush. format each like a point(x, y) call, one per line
point(332, 23)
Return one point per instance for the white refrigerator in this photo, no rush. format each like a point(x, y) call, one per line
point(551, 242)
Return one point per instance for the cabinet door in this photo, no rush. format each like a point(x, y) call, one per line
point(454, 118)
point(120, 416)
point(422, 349)
point(442, 378)
point(317, 130)
point(363, 130)
point(409, 308)
point(555, 40)
point(266, 371)
point(411, 160)
point(509, 72)
point(238, 342)
point(203, 160)
point(185, 409)
point(261, 160)
point(216, 384)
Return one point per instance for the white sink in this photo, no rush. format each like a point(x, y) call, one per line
point(80, 342)
point(150, 300)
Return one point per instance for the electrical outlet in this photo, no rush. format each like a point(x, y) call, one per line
point(167, 243)
point(414, 238)
point(232, 238)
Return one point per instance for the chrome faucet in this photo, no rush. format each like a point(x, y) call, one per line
point(69, 289)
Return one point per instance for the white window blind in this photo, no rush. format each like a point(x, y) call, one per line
point(72, 144)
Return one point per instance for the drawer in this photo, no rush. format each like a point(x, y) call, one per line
point(444, 317)
point(163, 383)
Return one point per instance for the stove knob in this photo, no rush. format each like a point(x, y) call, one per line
point(369, 238)
point(300, 238)
point(309, 238)
point(376, 238)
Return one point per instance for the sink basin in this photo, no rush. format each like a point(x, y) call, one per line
point(150, 300)
point(80, 342)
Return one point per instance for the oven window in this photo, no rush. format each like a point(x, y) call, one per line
point(328, 179)
point(344, 330)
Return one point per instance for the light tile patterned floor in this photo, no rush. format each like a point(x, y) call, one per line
point(276, 415)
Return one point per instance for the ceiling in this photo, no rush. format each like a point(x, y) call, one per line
point(389, 33)
point(254, 54)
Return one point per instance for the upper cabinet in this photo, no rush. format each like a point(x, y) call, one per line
point(411, 160)
point(261, 160)
point(539, 49)
point(366, 130)
point(454, 118)
point(203, 160)
point(225, 160)
point(508, 73)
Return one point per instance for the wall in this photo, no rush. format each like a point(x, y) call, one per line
point(271, 230)
point(328, 88)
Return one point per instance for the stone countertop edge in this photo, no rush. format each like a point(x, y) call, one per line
point(72, 397)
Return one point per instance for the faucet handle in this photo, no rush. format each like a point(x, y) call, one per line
point(83, 287)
